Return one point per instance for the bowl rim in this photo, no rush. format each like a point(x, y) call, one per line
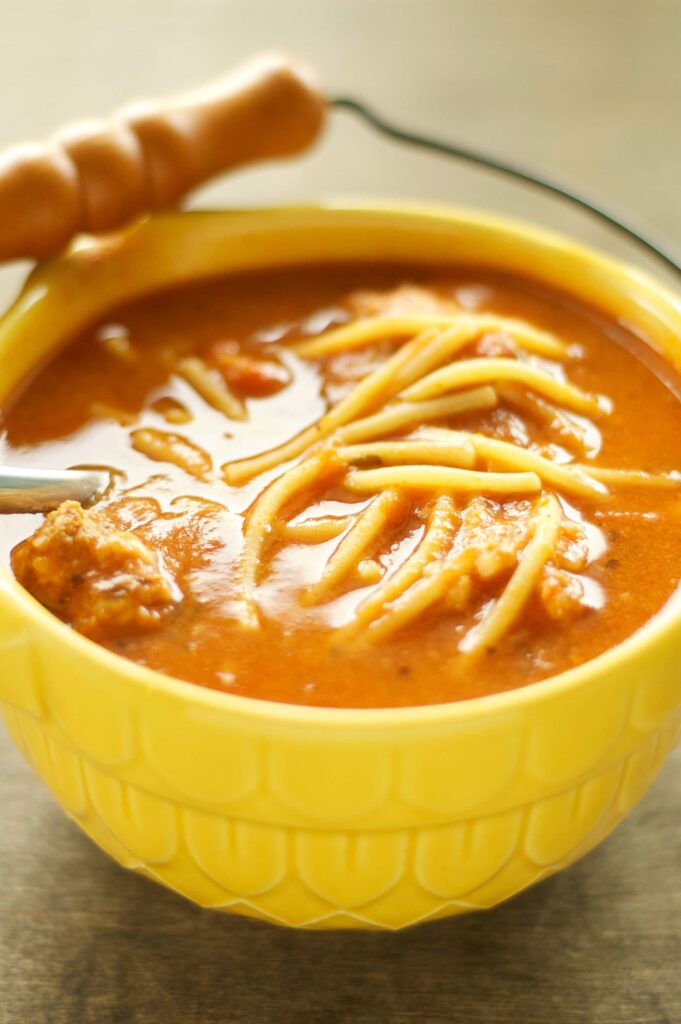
point(654, 631)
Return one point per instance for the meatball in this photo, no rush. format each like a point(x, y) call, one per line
point(104, 582)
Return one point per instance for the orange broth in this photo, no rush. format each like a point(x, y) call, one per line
point(82, 407)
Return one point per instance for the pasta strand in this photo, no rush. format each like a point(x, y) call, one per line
point(260, 520)
point(424, 478)
point(241, 471)
point(211, 386)
point(482, 371)
point(424, 593)
point(629, 477)
point(436, 539)
point(371, 329)
point(459, 452)
point(571, 478)
point(368, 526)
point(173, 448)
point(362, 332)
point(405, 414)
point(367, 393)
point(314, 531)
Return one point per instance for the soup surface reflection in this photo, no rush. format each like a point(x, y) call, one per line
point(354, 486)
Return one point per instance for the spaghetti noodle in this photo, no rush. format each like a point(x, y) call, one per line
point(360, 492)
point(414, 462)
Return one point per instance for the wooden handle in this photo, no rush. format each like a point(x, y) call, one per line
point(95, 177)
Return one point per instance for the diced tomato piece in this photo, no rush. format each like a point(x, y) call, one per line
point(248, 374)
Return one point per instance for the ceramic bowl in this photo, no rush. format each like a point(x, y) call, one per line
point(315, 817)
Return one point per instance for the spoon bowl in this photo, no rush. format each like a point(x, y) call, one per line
point(42, 490)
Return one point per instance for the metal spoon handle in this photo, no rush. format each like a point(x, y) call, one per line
point(41, 490)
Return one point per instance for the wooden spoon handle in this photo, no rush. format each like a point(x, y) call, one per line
point(95, 177)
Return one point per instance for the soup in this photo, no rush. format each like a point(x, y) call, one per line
point(355, 486)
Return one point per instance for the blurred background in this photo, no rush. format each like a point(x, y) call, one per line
point(588, 91)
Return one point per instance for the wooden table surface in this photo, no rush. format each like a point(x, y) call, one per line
point(588, 89)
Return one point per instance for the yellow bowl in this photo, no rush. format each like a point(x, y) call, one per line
point(309, 816)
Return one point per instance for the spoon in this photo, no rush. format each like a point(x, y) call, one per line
point(42, 490)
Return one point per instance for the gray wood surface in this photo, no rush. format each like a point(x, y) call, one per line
point(588, 89)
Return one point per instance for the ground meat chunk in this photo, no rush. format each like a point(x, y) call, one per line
point(104, 582)
point(572, 547)
point(492, 538)
point(494, 345)
point(407, 300)
point(561, 594)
